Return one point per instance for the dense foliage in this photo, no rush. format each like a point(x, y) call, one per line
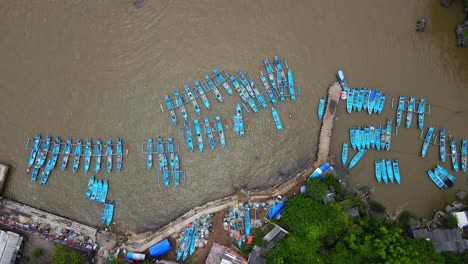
point(323, 233)
point(65, 255)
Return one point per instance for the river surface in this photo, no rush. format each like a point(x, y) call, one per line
point(99, 69)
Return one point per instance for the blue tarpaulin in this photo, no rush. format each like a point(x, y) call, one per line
point(319, 171)
point(160, 248)
point(276, 210)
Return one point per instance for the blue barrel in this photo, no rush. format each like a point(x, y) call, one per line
point(135, 256)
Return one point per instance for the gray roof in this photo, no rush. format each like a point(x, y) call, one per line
point(444, 239)
point(273, 237)
point(10, 243)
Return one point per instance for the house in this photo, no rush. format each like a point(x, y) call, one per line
point(223, 255)
point(443, 239)
point(462, 218)
point(10, 244)
point(257, 256)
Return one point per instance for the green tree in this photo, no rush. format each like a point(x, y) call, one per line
point(36, 253)
point(451, 221)
point(65, 255)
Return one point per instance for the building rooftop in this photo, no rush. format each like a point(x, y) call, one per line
point(443, 239)
point(10, 243)
point(222, 255)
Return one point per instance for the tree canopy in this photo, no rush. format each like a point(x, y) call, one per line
point(65, 255)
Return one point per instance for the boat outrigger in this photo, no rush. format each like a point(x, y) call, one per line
point(109, 155)
point(149, 153)
point(188, 136)
point(442, 145)
point(191, 98)
point(321, 107)
point(87, 155)
point(180, 105)
point(219, 129)
point(198, 133)
point(34, 150)
point(427, 140)
point(170, 109)
point(277, 119)
point(202, 94)
point(77, 155)
point(66, 154)
point(119, 154)
point(222, 81)
point(98, 154)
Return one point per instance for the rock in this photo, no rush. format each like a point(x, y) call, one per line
point(458, 205)
point(461, 195)
point(414, 224)
point(421, 25)
point(449, 209)
point(445, 3)
point(424, 221)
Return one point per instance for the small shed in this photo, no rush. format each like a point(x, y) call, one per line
point(10, 244)
point(462, 218)
point(443, 239)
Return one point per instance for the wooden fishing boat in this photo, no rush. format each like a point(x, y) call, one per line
point(383, 169)
point(454, 155)
point(43, 153)
point(219, 129)
point(119, 154)
point(401, 107)
point(349, 101)
point(212, 87)
point(442, 145)
point(427, 140)
point(160, 150)
point(372, 136)
point(202, 94)
point(352, 137)
point(388, 136)
point(165, 171)
point(341, 79)
point(344, 153)
point(243, 94)
point(66, 154)
point(268, 89)
point(110, 213)
point(188, 242)
point(149, 153)
point(105, 190)
point(360, 100)
point(105, 212)
point(444, 177)
point(356, 92)
point(389, 170)
point(176, 171)
point(198, 133)
point(280, 78)
point(236, 124)
point(246, 84)
point(209, 133)
point(321, 107)
point(277, 119)
point(94, 190)
point(99, 190)
point(194, 239)
point(87, 160)
point(292, 92)
point(366, 99)
point(356, 158)
point(192, 99)
point(182, 245)
point(109, 155)
point(381, 104)
point(269, 71)
point(371, 101)
point(170, 150)
point(188, 136)
point(396, 171)
point(34, 150)
point(377, 137)
point(257, 93)
point(170, 109)
point(436, 180)
point(240, 119)
point(378, 171)
point(421, 109)
point(51, 163)
point(222, 81)
point(180, 104)
point(463, 155)
point(409, 114)
point(77, 155)
point(89, 189)
point(447, 174)
point(367, 133)
point(98, 154)
point(378, 99)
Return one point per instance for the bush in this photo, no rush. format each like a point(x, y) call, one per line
point(377, 207)
point(36, 254)
point(404, 220)
point(451, 221)
point(330, 180)
point(65, 255)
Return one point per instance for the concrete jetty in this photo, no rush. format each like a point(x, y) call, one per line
point(327, 124)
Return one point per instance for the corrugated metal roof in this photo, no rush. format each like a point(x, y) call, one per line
point(9, 245)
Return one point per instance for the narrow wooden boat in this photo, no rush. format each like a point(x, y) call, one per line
point(344, 153)
point(377, 137)
point(388, 135)
point(105, 212)
point(51, 163)
point(378, 99)
point(442, 145)
point(105, 190)
point(427, 140)
point(381, 104)
point(182, 245)
point(87, 160)
point(378, 171)
point(170, 150)
point(454, 155)
point(271, 77)
point(341, 79)
point(243, 94)
point(194, 239)
point(89, 188)
point(191, 98)
point(160, 150)
point(188, 136)
point(170, 109)
point(463, 155)
point(421, 110)
point(257, 93)
point(352, 137)
point(165, 171)
point(222, 81)
point(277, 119)
point(98, 154)
point(99, 190)
point(240, 119)
point(149, 153)
point(94, 190)
point(349, 101)
point(209, 133)
point(236, 124)
point(357, 158)
point(372, 137)
point(176, 171)
point(119, 154)
point(383, 169)
point(198, 133)
point(188, 242)
point(77, 156)
point(367, 132)
point(246, 84)
point(212, 87)
point(371, 101)
point(268, 89)
point(446, 173)
point(356, 98)
point(366, 99)
point(219, 129)
point(401, 107)
point(109, 155)
point(321, 107)
point(409, 114)
point(396, 171)
point(436, 180)
point(202, 94)
point(444, 177)
point(43, 153)
point(389, 166)
point(280, 78)
point(180, 104)
point(292, 92)
point(383, 138)
point(34, 150)
point(360, 99)
point(110, 213)
point(66, 154)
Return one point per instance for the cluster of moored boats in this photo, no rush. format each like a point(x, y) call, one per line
point(387, 171)
point(208, 128)
point(97, 190)
point(40, 149)
point(366, 99)
point(370, 137)
point(441, 177)
point(411, 107)
point(166, 165)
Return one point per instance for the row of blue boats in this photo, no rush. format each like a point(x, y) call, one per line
point(41, 148)
point(366, 99)
point(410, 107)
point(441, 177)
point(370, 137)
point(165, 165)
point(97, 190)
point(209, 129)
point(387, 171)
point(275, 87)
point(107, 213)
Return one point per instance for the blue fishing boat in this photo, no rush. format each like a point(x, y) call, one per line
point(445, 177)
point(188, 136)
point(243, 94)
point(280, 78)
point(371, 101)
point(188, 242)
point(89, 189)
point(110, 213)
point(170, 150)
point(192, 99)
point(176, 171)
point(119, 154)
point(383, 138)
point(436, 180)
point(165, 171)
point(51, 163)
point(94, 190)
point(202, 94)
point(427, 140)
point(198, 134)
point(372, 137)
point(149, 153)
point(409, 115)
point(378, 99)
point(388, 139)
point(321, 107)
point(219, 128)
point(292, 92)
point(257, 93)
point(170, 109)
point(194, 239)
point(268, 89)
point(99, 191)
point(360, 98)
point(235, 122)
point(182, 245)
point(383, 169)
point(109, 155)
point(277, 119)
point(43, 153)
point(367, 132)
point(389, 170)
point(105, 212)
point(377, 137)
point(246, 84)
point(342, 80)
point(212, 87)
point(463, 155)
point(366, 98)
point(349, 101)
point(396, 171)
point(105, 190)
point(352, 137)
point(344, 153)
point(382, 103)
point(360, 138)
point(271, 77)
point(378, 171)
point(180, 104)
point(77, 155)
point(160, 150)
point(222, 81)
point(98, 154)
point(446, 173)
point(87, 160)
point(357, 158)
point(454, 155)
point(209, 133)
point(34, 150)
point(355, 99)
point(421, 109)
point(240, 120)
point(442, 145)
point(401, 107)
point(66, 154)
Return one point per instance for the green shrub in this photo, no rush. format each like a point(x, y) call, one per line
point(404, 220)
point(65, 255)
point(36, 253)
point(377, 207)
point(451, 221)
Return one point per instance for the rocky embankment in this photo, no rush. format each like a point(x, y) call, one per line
point(461, 30)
